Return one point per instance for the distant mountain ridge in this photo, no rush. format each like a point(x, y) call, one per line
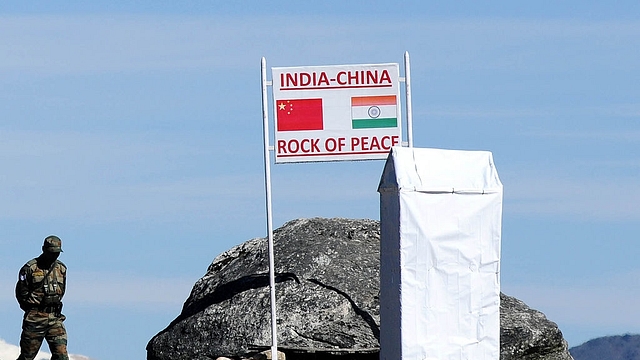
point(620, 347)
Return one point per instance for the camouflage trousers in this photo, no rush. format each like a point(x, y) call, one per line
point(37, 326)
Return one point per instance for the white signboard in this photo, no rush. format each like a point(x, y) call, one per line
point(332, 113)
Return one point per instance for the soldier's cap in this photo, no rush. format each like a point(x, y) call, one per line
point(52, 243)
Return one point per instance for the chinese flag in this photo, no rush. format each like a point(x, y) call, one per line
point(299, 114)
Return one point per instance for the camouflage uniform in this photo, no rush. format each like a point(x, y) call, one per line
point(39, 291)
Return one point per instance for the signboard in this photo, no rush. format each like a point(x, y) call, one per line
point(334, 113)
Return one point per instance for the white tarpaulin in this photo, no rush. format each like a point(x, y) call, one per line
point(441, 216)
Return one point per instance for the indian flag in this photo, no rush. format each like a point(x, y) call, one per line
point(368, 112)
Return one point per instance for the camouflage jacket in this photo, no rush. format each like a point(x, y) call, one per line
point(37, 288)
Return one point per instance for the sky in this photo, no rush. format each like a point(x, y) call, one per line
point(133, 130)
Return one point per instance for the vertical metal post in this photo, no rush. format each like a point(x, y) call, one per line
point(407, 85)
point(267, 186)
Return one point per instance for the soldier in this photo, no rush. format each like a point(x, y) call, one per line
point(39, 291)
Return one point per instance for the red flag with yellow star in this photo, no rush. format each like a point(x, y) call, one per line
point(299, 114)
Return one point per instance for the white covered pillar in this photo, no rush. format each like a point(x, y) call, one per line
point(441, 218)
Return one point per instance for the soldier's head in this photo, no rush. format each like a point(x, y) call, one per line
point(52, 247)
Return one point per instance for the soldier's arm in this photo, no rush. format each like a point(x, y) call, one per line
point(24, 295)
point(64, 279)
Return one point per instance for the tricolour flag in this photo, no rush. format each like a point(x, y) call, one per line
point(299, 114)
point(368, 112)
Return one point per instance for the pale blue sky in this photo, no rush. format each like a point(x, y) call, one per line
point(134, 133)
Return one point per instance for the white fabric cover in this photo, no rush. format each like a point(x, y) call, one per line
point(441, 218)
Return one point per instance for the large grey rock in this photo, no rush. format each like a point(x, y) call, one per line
point(327, 301)
point(526, 334)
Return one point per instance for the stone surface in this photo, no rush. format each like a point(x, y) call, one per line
point(266, 355)
point(327, 301)
point(527, 334)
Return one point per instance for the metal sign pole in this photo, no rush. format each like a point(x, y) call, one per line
point(267, 185)
point(407, 84)
point(381, 77)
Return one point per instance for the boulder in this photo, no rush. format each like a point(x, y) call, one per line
point(327, 275)
point(527, 334)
